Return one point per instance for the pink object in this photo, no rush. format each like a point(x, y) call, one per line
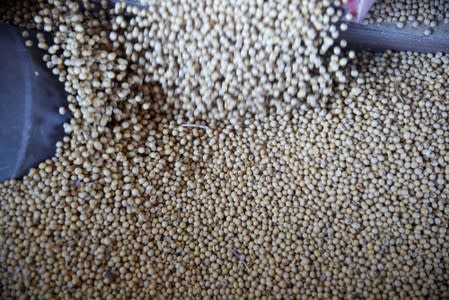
point(358, 8)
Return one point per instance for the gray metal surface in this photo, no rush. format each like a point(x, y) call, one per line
point(30, 96)
point(387, 36)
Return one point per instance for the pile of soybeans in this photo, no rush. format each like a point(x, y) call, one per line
point(230, 149)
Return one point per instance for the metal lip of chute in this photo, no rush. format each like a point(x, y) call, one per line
point(30, 97)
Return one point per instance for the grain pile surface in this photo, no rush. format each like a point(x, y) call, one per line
point(160, 191)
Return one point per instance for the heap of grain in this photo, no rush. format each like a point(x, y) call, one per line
point(219, 57)
point(177, 179)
